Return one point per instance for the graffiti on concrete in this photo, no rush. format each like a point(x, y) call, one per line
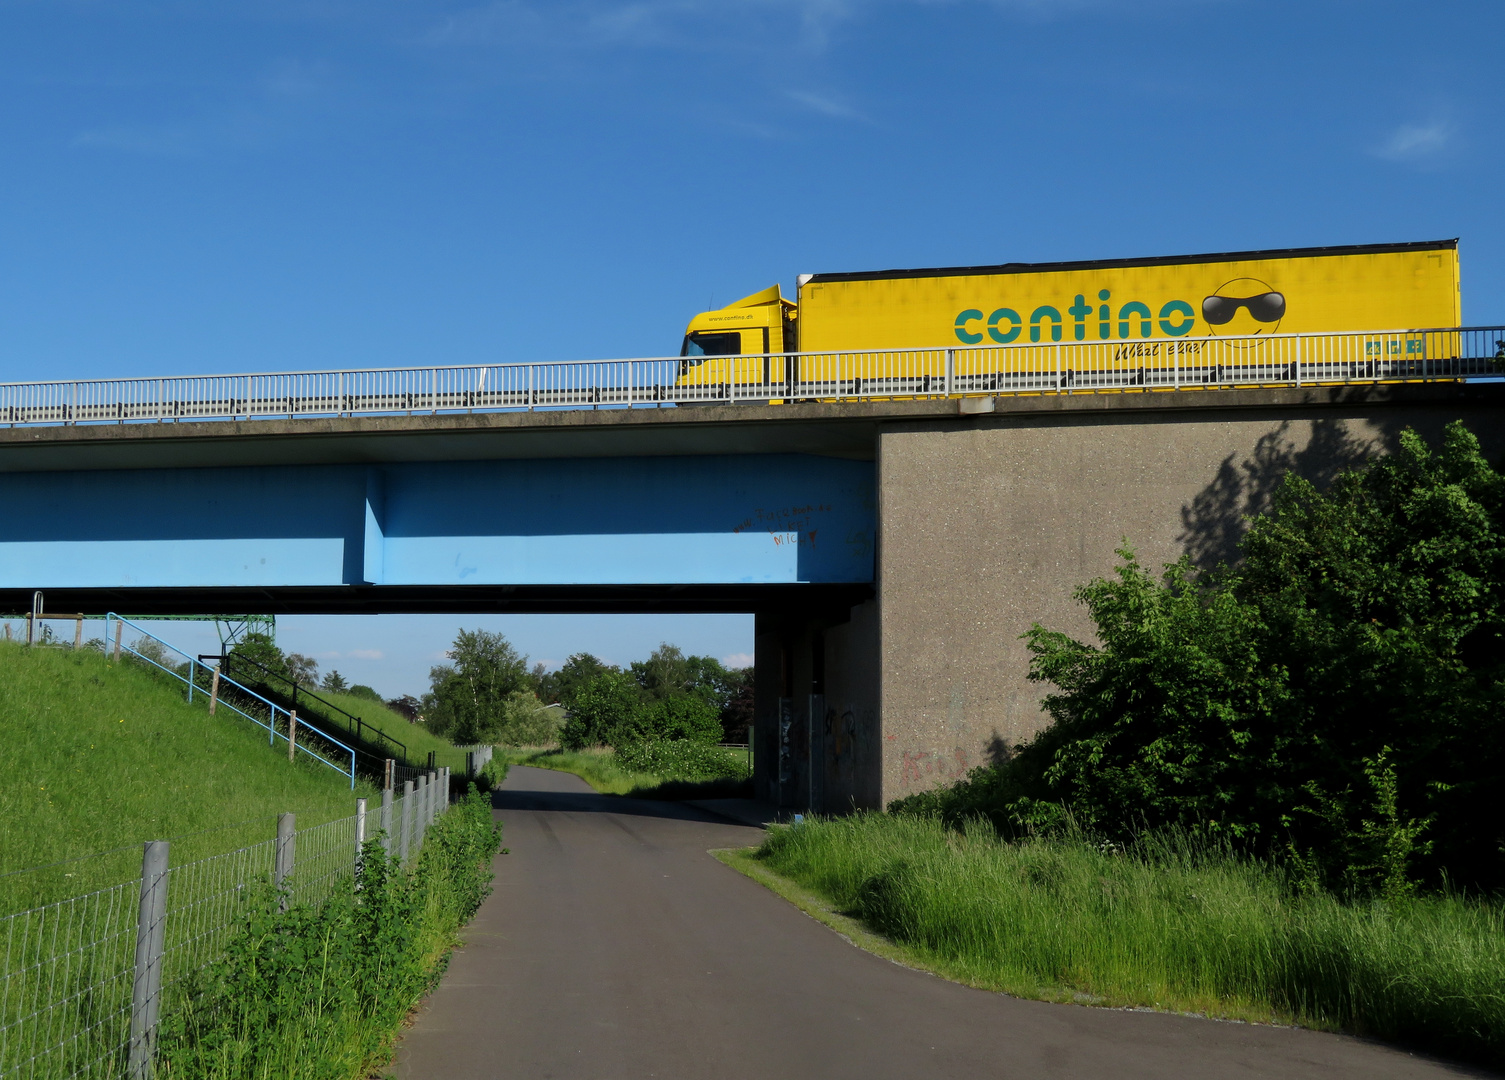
point(791, 525)
point(924, 768)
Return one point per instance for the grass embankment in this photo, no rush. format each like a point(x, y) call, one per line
point(418, 739)
point(107, 756)
point(603, 769)
point(1164, 925)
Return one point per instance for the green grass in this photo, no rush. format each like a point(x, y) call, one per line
point(600, 768)
point(1164, 925)
point(106, 756)
point(418, 739)
point(597, 767)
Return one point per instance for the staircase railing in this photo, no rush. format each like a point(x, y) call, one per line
point(361, 730)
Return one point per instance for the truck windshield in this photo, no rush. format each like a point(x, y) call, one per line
point(712, 344)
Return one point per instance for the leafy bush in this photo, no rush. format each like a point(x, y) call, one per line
point(1339, 699)
point(682, 718)
point(322, 992)
point(527, 721)
point(681, 759)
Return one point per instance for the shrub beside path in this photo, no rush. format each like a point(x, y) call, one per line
point(614, 945)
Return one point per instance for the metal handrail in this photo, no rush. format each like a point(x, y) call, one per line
point(195, 664)
point(1007, 367)
point(360, 723)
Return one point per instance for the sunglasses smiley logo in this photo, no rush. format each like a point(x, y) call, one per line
point(1244, 306)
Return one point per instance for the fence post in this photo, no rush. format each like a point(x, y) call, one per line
point(214, 692)
point(950, 370)
point(78, 633)
point(286, 849)
point(119, 627)
point(445, 788)
point(292, 734)
point(470, 763)
point(422, 808)
point(360, 836)
point(386, 819)
point(146, 988)
point(386, 779)
point(405, 830)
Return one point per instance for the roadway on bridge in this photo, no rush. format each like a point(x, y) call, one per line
point(615, 947)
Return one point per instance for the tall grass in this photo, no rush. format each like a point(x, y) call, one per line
point(1166, 923)
point(103, 756)
point(611, 773)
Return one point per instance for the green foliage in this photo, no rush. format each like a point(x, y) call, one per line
point(303, 670)
point(613, 709)
point(492, 774)
point(335, 683)
point(1170, 921)
point(468, 699)
point(322, 992)
point(681, 718)
point(261, 649)
point(609, 701)
point(361, 690)
point(681, 759)
point(665, 673)
point(560, 687)
point(1332, 698)
point(685, 771)
point(528, 721)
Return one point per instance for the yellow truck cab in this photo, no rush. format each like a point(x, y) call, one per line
point(742, 343)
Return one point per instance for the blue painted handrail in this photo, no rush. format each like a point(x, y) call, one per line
point(194, 663)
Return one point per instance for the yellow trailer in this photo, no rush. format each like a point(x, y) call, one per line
point(1161, 310)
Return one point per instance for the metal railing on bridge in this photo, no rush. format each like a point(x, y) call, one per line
point(1144, 364)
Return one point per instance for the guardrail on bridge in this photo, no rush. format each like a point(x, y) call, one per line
point(1144, 364)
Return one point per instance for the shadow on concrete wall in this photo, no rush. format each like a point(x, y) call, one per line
point(1215, 522)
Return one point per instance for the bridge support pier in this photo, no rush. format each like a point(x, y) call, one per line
point(815, 707)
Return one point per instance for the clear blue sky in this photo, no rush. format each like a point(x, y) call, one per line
point(191, 187)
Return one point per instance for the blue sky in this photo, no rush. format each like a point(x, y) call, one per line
point(281, 185)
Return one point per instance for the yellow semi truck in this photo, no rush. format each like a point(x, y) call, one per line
point(906, 326)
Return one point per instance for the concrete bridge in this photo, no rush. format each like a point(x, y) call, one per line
point(893, 552)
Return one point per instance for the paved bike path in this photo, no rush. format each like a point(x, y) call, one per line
point(615, 948)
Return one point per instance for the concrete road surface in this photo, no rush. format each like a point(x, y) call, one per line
point(615, 947)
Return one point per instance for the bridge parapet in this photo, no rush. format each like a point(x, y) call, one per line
point(1050, 367)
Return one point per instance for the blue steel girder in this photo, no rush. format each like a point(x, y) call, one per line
point(692, 520)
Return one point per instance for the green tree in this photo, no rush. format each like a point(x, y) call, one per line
point(561, 686)
point(261, 649)
point(334, 682)
point(1338, 698)
point(528, 721)
point(303, 670)
point(468, 698)
point(610, 702)
point(665, 673)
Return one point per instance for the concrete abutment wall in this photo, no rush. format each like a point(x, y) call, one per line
point(988, 525)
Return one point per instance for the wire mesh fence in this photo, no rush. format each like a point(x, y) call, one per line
point(84, 979)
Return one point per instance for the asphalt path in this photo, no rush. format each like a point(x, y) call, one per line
point(615, 947)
